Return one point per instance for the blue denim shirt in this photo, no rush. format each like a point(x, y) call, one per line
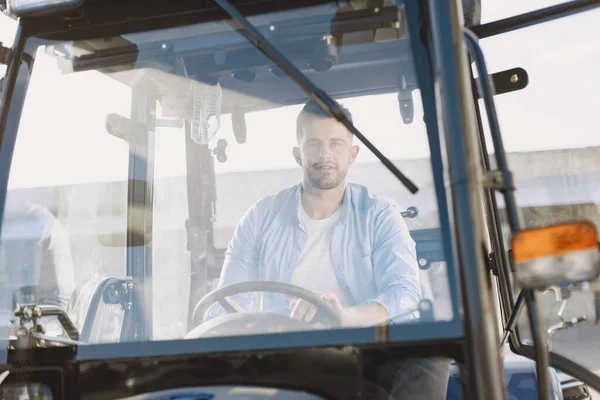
point(373, 254)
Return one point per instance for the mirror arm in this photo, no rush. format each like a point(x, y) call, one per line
point(514, 318)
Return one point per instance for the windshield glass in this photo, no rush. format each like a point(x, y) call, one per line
point(550, 132)
point(184, 187)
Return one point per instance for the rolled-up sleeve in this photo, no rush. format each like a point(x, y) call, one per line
point(241, 262)
point(396, 270)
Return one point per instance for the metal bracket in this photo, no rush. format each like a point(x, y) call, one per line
point(492, 264)
point(410, 212)
point(506, 81)
point(31, 334)
point(4, 54)
point(407, 106)
point(498, 180)
point(119, 293)
point(405, 99)
point(424, 262)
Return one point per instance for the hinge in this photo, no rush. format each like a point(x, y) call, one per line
point(492, 266)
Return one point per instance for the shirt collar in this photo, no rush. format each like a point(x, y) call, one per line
point(345, 207)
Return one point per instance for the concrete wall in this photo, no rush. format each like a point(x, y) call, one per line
point(552, 186)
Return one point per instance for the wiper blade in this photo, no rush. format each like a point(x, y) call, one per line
point(325, 102)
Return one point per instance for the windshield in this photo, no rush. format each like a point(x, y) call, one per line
point(184, 187)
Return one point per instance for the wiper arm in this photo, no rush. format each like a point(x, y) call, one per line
point(325, 102)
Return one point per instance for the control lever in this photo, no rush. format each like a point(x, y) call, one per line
point(30, 333)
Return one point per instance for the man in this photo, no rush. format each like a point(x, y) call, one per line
point(326, 235)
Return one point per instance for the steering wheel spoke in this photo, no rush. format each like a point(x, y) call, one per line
point(230, 305)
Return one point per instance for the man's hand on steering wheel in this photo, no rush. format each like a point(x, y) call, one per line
point(305, 311)
point(223, 296)
point(357, 316)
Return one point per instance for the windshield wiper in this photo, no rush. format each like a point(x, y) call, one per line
point(326, 103)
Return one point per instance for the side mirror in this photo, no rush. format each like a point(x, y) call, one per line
point(573, 389)
point(555, 255)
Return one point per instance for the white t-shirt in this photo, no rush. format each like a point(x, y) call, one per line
point(315, 268)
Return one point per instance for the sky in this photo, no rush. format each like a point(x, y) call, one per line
point(557, 110)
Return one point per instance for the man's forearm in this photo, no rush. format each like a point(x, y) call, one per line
point(363, 315)
point(356, 316)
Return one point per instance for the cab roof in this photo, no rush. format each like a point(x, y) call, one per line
point(108, 11)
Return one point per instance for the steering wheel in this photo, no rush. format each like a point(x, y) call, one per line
point(325, 310)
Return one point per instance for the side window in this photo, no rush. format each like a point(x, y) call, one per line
point(550, 131)
point(65, 195)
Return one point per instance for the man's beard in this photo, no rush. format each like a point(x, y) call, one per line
point(321, 182)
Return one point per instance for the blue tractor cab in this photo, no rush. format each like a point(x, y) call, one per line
point(149, 159)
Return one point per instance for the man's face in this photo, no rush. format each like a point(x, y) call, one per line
point(325, 152)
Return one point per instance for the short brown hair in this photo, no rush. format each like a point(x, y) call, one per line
point(311, 110)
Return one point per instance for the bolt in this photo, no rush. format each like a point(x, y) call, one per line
point(328, 39)
point(376, 9)
point(37, 311)
point(422, 262)
point(116, 293)
point(272, 28)
point(514, 78)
